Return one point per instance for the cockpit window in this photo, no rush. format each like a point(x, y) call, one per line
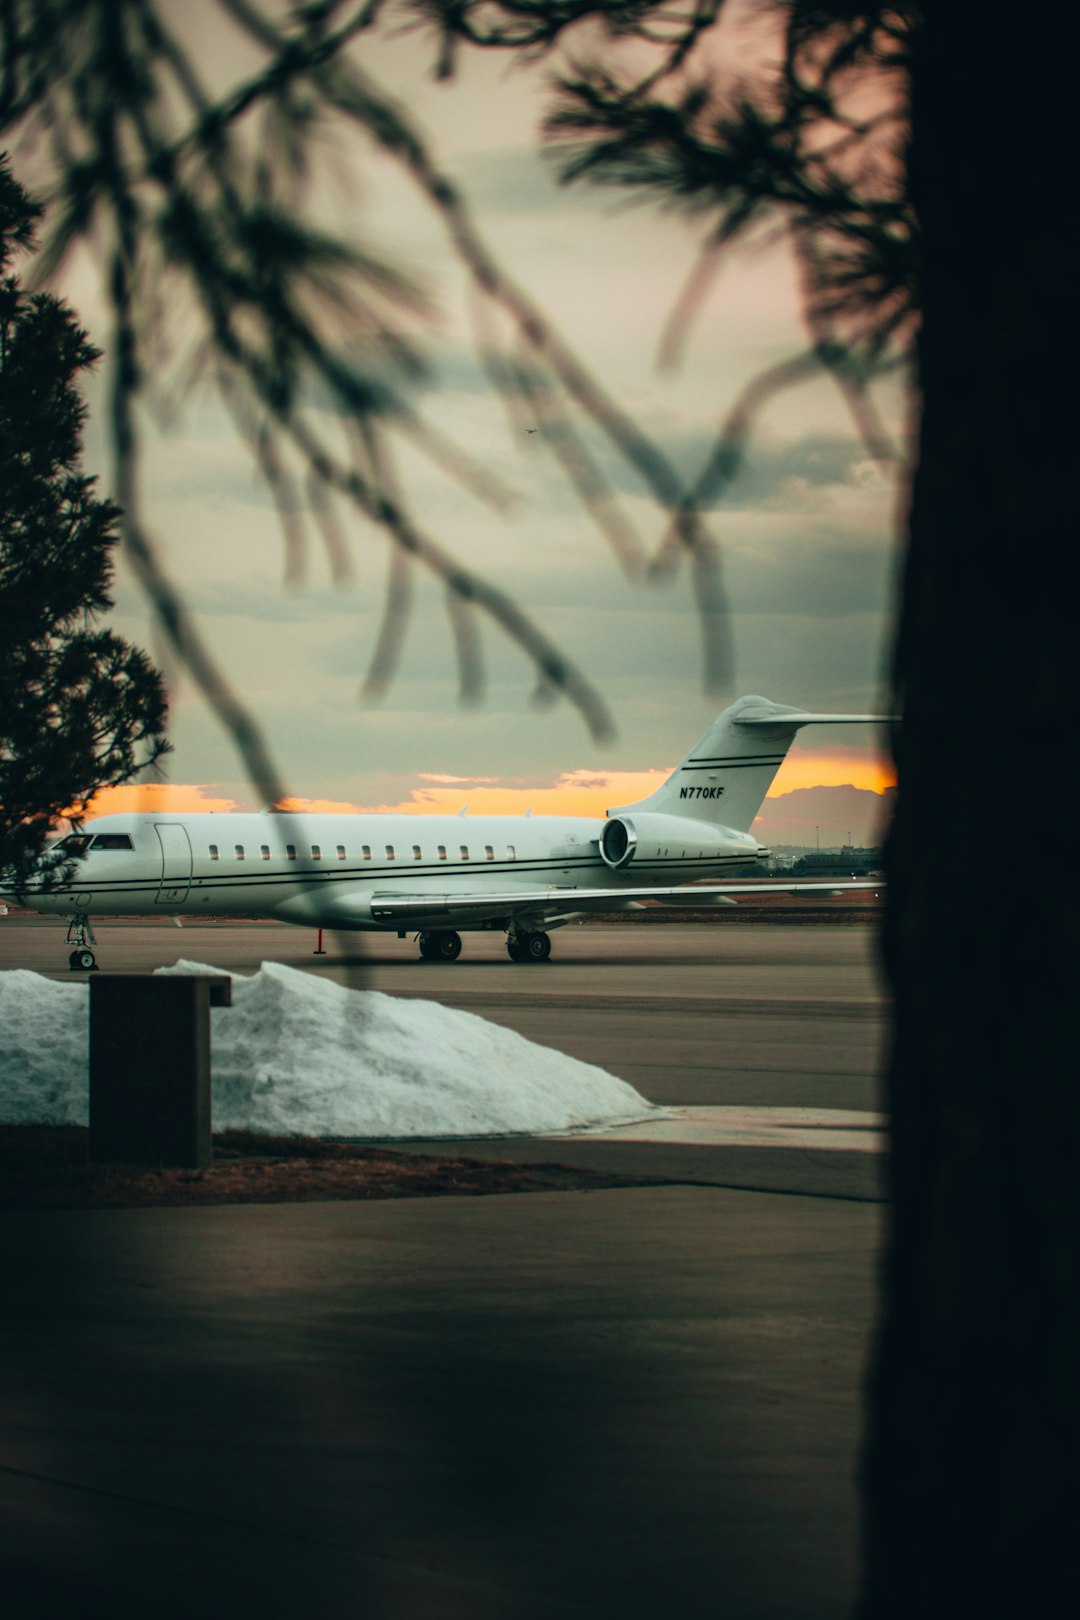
point(75, 846)
point(111, 841)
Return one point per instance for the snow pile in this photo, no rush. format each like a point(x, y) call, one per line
point(299, 1055)
point(43, 1050)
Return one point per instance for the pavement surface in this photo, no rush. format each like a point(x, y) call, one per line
point(624, 1402)
point(769, 1020)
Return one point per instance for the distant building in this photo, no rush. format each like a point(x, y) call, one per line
point(850, 860)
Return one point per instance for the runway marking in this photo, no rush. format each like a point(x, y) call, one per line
point(837, 1130)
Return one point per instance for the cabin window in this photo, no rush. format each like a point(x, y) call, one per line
point(111, 841)
point(341, 852)
point(290, 852)
point(511, 853)
point(489, 853)
point(239, 852)
point(264, 851)
point(390, 852)
point(416, 852)
point(316, 853)
point(213, 852)
point(365, 850)
point(442, 852)
point(464, 852)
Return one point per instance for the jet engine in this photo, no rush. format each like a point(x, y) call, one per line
point(653, 837)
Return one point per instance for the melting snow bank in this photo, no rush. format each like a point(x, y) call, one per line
point(299, 1055)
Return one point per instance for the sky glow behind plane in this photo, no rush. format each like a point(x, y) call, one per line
point(581, 792)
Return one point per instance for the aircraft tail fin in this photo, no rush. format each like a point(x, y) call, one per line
point(726, 777)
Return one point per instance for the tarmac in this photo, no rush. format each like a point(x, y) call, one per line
point(604, 1403)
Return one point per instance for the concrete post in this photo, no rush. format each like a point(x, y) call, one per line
point(150, 1067)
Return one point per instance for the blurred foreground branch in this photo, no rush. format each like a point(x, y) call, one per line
point(198, 201)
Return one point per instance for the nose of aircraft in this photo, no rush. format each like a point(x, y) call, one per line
point(43, 888)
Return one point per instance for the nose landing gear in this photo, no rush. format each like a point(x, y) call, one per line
point(81, 935)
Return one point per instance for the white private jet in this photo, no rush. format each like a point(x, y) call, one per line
point(439, 875)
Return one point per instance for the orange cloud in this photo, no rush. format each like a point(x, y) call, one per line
point(591, 793)
point(573, 793)
point(167, 798)
point(318, 807)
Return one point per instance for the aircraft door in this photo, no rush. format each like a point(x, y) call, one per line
point(175, 862)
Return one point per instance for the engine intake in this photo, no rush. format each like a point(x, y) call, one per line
point(650, 836)
point(618, 842)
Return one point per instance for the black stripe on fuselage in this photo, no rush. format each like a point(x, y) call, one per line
point(222, 883)
point(257, 873)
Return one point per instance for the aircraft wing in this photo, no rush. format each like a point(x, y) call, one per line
point(443, 910)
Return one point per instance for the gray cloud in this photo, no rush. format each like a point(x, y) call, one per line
point(773, 473)
point(780, 473)
point(818, 575)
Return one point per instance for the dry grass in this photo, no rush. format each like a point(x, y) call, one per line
point(46, 1167)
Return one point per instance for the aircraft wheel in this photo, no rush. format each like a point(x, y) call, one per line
point(537, 947)
point(447, 946)
point(514, 950)
point(83, 959)
point(428, 950)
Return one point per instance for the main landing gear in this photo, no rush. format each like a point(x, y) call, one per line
point(528, 947)
point(440, 946)
point(81, 935)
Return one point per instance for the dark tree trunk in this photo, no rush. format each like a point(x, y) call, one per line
point(971, 1464)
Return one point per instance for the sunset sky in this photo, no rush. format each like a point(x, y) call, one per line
point(806, 530)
